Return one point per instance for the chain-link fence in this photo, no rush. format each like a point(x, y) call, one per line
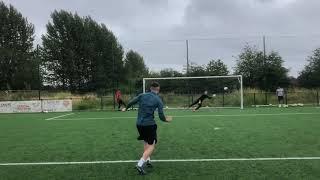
point(308, 98)
point(94, 102)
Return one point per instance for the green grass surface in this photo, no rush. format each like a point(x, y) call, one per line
point(249, 133)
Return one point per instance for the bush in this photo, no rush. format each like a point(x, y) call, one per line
point(86, 103)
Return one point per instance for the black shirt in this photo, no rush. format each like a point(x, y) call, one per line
point(203, 97)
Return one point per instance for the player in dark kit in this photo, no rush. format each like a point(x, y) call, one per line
point(200, 100)
point(146, 125)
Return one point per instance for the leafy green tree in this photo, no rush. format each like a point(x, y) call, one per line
point(197, 70)
point(169, 72)
point(217, 68)
point(17, 65)
point(134, 69)
point(310, 76)
point(259, 72)
point(153, 74)
point(80, 54)
point(134, 65)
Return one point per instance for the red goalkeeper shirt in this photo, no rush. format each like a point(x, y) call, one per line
point(118, 95)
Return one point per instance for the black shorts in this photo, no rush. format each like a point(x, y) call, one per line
point(148, 134)
point(280, 98)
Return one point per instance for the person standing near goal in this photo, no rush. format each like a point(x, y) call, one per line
point(146, 125)
point(280, 95)
point(118, 98)
point(200, 100)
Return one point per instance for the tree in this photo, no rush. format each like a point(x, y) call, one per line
point(17, 65)
point(259, 72)
point(80, 54)
point(217, 68)
point(134, 65)
point(310, 76)
point(197, 70)
point(153, 74)
point(169, 72)
point(135, 68)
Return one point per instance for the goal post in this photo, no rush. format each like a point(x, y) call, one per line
point(219, 87)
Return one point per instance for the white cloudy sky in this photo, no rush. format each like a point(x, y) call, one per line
point(215, 28)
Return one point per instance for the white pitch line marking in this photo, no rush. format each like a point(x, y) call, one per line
point(236, 115)
point(212, 115)
point(160, 160)
point(77, 119)
point(56, 117)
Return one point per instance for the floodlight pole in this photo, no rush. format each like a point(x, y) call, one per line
point(113, 76)
point(187, 73)
point(264, 64)
point(39, 73)
point(187, 46)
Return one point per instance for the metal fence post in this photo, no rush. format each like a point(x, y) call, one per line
point(223, 99)
point(191, 100)
point(101, 103)
point(254, 99)
point(318, 100)
point(114, 97)
point(41, 104)
point(266, 98)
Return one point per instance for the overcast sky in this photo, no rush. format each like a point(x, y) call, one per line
point(157, 29)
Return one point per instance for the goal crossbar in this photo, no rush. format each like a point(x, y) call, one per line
point(197, 77)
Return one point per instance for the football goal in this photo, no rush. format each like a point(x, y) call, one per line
point(180, 92)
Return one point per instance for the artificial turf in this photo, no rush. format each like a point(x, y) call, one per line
point(207, 134)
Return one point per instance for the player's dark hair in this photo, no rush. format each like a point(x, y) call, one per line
point(155, 84)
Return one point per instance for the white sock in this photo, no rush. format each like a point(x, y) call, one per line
point(141, 162)
point(148, 160)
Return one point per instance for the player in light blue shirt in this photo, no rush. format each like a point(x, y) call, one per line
point(146, 125)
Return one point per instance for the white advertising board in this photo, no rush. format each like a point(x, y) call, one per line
point(20, 106)
point(35, 106)
point(57, 105)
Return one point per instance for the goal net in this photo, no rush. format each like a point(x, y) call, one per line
point(180, 92)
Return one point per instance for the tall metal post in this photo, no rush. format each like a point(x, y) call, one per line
point(264, 64)
point(187, 46)
point(187, 73)
point(113, 77)
point(39, 72)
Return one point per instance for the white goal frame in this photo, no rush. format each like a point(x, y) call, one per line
point(202, 77)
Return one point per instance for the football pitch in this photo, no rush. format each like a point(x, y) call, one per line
point(262, 143)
